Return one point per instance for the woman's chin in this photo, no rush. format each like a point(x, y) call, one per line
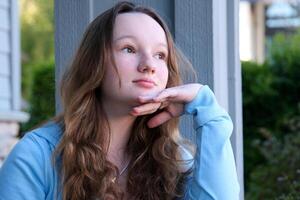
point(148, 92)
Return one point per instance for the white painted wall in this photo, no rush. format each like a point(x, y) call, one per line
point(5, 72)
point(10, 73)
point(10, 76)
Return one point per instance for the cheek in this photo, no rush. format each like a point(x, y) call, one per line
point(111, 78)
point(110, 74)
point(163, 74)
point(125, 62)
point(123, 65)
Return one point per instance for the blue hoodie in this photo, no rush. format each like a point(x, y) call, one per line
point(28, 173)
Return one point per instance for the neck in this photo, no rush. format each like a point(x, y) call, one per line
point(120, 123)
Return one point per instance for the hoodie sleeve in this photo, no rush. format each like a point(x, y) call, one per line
point(22, 174)
point(214, 174)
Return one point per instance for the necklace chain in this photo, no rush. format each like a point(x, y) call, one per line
point(122, 171)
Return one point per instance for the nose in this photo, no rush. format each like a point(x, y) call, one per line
point(147, 64)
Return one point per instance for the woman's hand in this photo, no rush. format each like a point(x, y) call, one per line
point(170, 100)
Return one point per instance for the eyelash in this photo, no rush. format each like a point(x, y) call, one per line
point(161, 54)
point(129, 48)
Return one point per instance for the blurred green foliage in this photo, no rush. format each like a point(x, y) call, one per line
point(42, 101)
point(271, 107)
point(37, 38)
point(279, 177)
point(37, 47)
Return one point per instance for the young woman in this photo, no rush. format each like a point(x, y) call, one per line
point(117, 137)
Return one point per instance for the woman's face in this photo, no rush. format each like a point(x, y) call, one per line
point(140, 51)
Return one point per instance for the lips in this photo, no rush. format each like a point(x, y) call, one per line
point(145, 83)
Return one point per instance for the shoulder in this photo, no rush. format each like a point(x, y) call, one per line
point(43, 139)
point(36, 144)
point(30, 163)
point(49, 134)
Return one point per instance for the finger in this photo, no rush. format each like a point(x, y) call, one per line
point(162, 96)
point(166, 94)
point(164, 104)
point(159, 119)
point(137, 111)
point(146, 99)
point(145, 108)
point(144, 112)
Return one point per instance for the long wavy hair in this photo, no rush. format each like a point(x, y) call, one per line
point(154, 170)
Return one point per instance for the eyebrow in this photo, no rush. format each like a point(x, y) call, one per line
point(124, 37)
point(134, 38)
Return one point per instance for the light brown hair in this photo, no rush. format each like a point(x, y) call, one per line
point(86, 173)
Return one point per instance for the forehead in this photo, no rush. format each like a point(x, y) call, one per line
point(140, 26)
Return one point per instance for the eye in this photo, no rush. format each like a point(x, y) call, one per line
point(128, 50)
point(161, 56)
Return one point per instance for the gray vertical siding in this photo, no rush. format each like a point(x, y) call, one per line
point(73, 17)
point(193, 35)
point(206, 31)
